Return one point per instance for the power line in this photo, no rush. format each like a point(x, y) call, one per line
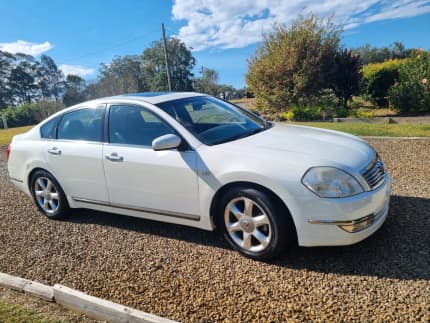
point(118, 45)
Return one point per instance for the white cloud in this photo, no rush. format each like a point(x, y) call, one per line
point(76, 70)
point(24, 47)
point(238, 23)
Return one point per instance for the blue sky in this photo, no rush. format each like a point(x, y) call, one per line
point(80, 35)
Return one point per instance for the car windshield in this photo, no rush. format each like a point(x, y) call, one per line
point(214, 121)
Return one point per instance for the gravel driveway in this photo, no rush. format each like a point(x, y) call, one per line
point(191, 275)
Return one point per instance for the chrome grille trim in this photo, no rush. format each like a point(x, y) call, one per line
point(375, 173)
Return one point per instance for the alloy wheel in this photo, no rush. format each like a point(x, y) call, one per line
point(47, 195)
point(247, 224)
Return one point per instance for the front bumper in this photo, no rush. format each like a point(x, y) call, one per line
point(342, 221)
point(353, 226)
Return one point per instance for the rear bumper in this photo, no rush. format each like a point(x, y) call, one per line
point(344, 221)
point(19, 184)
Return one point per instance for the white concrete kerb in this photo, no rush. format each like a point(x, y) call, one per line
point(75, 300)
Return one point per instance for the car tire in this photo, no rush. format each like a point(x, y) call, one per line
point(255, 223)
point(48, 195)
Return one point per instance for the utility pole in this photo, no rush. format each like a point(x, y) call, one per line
point(166, 58)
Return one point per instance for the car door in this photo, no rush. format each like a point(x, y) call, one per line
point(75, 155)
point(139, 178)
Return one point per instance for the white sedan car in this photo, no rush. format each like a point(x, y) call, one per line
point(195, 160)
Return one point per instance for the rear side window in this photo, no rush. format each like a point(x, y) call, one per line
point(48, 130)
point(83, 124)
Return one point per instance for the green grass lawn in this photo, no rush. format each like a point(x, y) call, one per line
point(6, 135)
point(17, 313)
point(369, 129)
point(358, 129)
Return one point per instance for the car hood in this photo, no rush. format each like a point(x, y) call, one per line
point(326, 147)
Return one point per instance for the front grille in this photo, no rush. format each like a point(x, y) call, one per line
point(375, 173)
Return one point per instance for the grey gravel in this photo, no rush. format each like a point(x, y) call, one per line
point(193, 276)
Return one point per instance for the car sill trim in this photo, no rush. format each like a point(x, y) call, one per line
point(186, 216)
point(16, 180)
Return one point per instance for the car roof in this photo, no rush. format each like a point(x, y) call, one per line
point(149, 97)
point(152, 97)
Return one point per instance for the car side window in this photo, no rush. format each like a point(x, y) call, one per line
point(84, 124)
point(48, 130)
point(132, 125)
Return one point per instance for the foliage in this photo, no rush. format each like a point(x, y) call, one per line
point(30, 113)
point(370, 54)
point(74, 91)
point(323, 107)
point(6, 63)
point(378, 78)
point(293, 63)
point(315, 112)
point(51, 78)
point(365, 113)
point(289, 115)
point(411, 95)
point(181, 62)
point(20, 116)
point(23, 79)
point(304, 113)
point(346, 75)
point(207, 83)
point(122, 75)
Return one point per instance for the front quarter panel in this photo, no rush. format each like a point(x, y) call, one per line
point(219, 166)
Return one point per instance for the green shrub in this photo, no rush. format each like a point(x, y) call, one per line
point(365, 113)
point(314, 112)
point(306, 113)
point(411, 95)
point(293, 63)
point(19, 116)
point(30, 114)
point(378, 78)
point(289, 115)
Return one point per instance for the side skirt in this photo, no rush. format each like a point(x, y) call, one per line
point(186, 216)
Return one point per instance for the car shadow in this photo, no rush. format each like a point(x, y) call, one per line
point(399, 249)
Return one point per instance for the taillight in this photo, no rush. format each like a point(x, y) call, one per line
point(8, 151)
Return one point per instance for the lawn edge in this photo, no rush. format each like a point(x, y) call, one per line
point(78, 301)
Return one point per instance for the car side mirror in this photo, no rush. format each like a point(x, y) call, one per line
point(165, 142)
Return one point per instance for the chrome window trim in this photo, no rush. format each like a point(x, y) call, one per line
point(75, 141)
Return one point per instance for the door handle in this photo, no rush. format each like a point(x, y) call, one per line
point(114, 157)
point(54, 151)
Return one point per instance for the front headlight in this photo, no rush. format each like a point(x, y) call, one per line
point(331, 182)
